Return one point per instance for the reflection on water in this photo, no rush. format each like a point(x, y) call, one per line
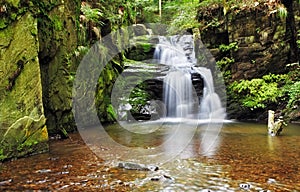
point(243, 153)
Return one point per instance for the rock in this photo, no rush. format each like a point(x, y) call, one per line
point(140, 29)
point(57, 45)
point(162, 178)
point(22, 121)
point(136, 166)
point(6, 182)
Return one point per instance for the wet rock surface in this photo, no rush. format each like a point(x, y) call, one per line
point(137, 166)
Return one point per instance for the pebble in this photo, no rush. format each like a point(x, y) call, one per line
point(6, 182)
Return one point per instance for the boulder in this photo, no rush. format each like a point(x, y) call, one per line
point(22, 121)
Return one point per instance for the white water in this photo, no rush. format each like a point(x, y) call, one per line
point(180, 96)
point(210, 104)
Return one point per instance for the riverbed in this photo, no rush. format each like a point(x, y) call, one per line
point(244, 158)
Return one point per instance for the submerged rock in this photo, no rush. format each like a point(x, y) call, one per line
point(136, 166)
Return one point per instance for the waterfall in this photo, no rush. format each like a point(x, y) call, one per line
point(178, 94)
point(180, 97)
point(210, 104)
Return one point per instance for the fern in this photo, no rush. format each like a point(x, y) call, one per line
point(257, 93)
point(91, 14)
point(282, 11)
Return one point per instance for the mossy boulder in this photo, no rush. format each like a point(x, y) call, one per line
point(22, 121)
point(141, 48)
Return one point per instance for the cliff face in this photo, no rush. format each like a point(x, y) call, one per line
point(37, 41)
point(22, 120)
point(257, 42)
point(264, 43)
point(57, 34)
point(39, 55)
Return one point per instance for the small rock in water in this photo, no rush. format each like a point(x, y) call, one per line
point(53, 158)
point(270, 180)
point(55, 137)
point(63, 187)
point(155, 178)
point(136, 166)
point(67, 166)
point(168, 177)
point(245, 186)
point(153, 168)
point(43, 171)
point(5, 182)
point(162, 178)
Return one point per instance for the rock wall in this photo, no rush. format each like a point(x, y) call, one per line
point(261, 36)
point(37, 64)
point(22, 122)
point(57, 31)
point(264, 44)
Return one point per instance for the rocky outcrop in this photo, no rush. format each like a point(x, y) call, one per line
point(264, 43)
point(22, 122)
point(57, 45)
point(37, 63)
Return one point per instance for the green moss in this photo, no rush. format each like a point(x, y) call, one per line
point(57, 23)
point(27, 144)
point(13, 16)
point(3, 23)
point(23, 128)
point(147, 47)
point(15, 3)
point(2, 156)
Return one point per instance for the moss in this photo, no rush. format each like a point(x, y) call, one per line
point(2, 156)
point(3, 23)
point(13, 16)
point(147, 47)
point(57, 23)
point(23, 128)
point(15, 3)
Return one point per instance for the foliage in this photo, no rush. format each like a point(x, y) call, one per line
point(232, 46)
point(282, 11)
point(257, 93)
point(293, 92)
point(144, 11)
point(111, 113)
point(138, 98)
point(2, 156)
point(184, 17)
point(292, 86)
point(91, 14)
point(225, 63)
point(57, 24)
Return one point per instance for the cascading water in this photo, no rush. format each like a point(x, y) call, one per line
point(180, 96)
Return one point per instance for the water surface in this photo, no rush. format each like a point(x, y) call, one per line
point(243, 154)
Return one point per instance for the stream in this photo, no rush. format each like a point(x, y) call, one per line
point(246, 158)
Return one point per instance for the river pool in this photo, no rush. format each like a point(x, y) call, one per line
point(243, 157)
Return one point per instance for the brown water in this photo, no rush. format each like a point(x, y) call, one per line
point(244, 154)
